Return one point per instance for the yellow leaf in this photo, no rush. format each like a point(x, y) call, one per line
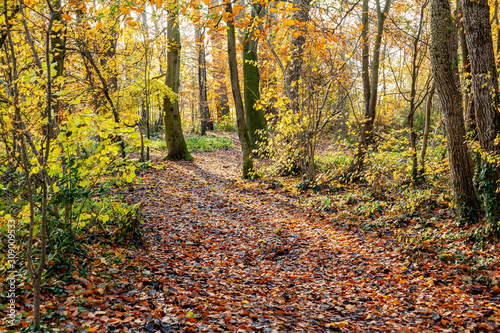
point(245, 302)
point(124, 10)
point(361, 26)
point(288, 22)
point(430, 282)
point(66, 17)
point(206, 2)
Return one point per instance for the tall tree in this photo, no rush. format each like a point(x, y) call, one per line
point(146, 103)
point(246, 147)
point(427, 128)
point(470, 116)
point(219, 67)
point(443, 52)
point(176, 145)
point(206, 122)
point(486, 100)
point(370, 77)
point(256, 123)
point(294, 65)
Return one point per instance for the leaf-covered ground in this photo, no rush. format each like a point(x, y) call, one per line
point(225, 255)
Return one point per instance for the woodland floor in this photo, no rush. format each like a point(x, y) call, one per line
point(225, 255)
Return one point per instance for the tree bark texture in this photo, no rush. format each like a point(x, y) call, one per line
point(470, 113)
point(486, 100)
point(483, 71)
point(256, 123)
point(176, 145)
point(444, 60)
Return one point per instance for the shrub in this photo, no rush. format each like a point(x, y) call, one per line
point(226, 125)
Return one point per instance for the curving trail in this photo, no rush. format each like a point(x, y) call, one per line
point(231, 256)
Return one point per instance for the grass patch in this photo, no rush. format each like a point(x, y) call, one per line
point(200, 143)
point(208, 143)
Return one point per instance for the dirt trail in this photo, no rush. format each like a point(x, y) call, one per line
point(225, 256)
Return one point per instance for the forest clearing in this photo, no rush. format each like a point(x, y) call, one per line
point(249, 166)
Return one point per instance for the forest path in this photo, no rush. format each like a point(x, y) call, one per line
point(230, 255)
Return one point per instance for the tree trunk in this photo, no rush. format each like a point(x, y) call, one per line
point(470, 112)
point(443, 53)
point(202, 84)
point(414, 101)
point(147, 103)
point(58, 41)
point(176, 145)
point(294, 65)
point(255, 121)
point(370, 87)
point(427, 128)
point(238, 102)
point(485, 84)
point(219, 53)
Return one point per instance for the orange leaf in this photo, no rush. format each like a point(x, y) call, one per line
point(496, 290)
point(159, 3)
point(132, 23)
point(124, 10)
point(66, 17)
point(98, 26)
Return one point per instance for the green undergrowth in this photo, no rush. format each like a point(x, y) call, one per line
point(197, 143)
point(98, 215)
point(226, 124)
